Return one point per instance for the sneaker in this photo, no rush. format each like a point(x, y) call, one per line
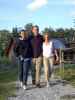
point(21, 84)
point(38, 85)
point(24, 87)
point(33, 82)
point(47, 85)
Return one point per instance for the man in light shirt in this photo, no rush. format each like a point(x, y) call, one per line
point(48, 56)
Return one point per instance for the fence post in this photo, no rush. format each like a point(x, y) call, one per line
point(61, 69)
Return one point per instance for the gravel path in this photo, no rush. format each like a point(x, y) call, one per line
point(57, 89)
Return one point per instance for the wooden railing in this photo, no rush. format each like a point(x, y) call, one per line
point(67, 56)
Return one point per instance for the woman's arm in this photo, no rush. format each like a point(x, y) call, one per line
point(55, 53)
point(16, 47)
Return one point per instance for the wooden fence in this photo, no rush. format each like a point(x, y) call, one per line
point(67, 56)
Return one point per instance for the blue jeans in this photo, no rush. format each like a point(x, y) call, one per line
point(24, 68)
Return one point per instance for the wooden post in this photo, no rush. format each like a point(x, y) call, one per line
point(61, 69)
point(60, 64)
point(62, 61)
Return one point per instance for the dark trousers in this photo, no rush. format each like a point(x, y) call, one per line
point(24, 68)
point(20, 70)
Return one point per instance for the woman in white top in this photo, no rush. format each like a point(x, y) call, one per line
point(48, 55)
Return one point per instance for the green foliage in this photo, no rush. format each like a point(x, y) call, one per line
point(15, 32)
point(68, 34)
point(4, 60)
point(5, 35)
point(48, 30)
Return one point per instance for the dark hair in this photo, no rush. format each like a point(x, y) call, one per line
point(36, 27)
point(22, 30)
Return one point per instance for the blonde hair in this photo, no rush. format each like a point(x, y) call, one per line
point(25, 33)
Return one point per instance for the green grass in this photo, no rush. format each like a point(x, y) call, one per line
point(68, 97)
point(6, 87)
point(4, 60)
point(6, 91)
point(7, 77)
point(68, 74)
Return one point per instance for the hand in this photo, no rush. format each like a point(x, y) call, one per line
point(16, 58)
point(33, 61)
point(21, 58)
point(57, 58)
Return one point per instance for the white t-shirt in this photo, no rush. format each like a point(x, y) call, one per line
point(48, 49)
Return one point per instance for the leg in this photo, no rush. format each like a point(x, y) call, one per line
point(51, 66)
point(26, 67)
point(38, 67)
point(21, 71)
point(46, 66)
point(33, 71)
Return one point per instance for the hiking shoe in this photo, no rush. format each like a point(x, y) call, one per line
point(38, 85)
point(21, 84)
point(33, 82)
point(47, 85)
point(24, 87)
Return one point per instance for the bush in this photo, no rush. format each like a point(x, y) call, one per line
point(4, 60)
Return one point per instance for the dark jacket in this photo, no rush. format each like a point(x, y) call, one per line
point(37, 42)
point(23, 48)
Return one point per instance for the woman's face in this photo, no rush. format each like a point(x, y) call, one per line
point(24, 35)
point(46, 37)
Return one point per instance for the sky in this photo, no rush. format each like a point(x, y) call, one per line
point(45, 13)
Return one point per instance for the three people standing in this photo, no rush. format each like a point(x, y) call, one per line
point(34, 48)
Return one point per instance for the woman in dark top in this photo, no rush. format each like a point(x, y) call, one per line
point(23, 51)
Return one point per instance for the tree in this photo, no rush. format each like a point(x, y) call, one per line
point(46, 30)
point(5, 35)
point(72, 34)
point(15, 32)
point(60, 32)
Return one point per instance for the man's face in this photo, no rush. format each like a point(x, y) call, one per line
point(35, 31)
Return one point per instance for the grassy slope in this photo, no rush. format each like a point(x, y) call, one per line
point(7, 76)
point(68, 74)
point(10, 75)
